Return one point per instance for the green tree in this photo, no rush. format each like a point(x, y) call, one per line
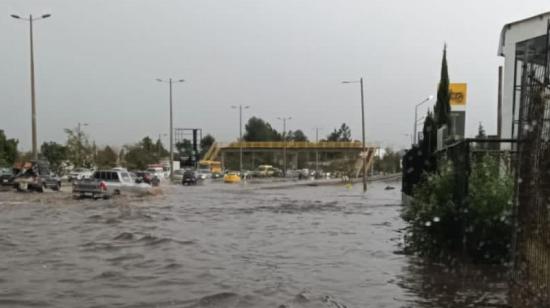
point(297, 135)
point(162, 152)
point(257, 129)
point(390, 162)
point(55, 154)
point(341, 134)
point(185, 147)
point(106, 158)
point(141, 154)
point(442, 108)
point(481, 132)
point(79, 150)
point(206, 142)
point(429, 134)
point(8, 150)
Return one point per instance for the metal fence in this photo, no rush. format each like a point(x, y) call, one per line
point(531, 271)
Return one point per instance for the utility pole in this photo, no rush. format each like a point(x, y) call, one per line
point(240, 135)
point(364, 148)
point(171, 135)
point(364, 145)
point(33, 91)
point(170, 82)
point(317, 151)
point(284, 119)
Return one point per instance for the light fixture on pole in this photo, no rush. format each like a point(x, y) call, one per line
point(364, 151)
point(427, 99)
point(284, 119)
point(240, 107)
point(170, 82)
point(30, 19)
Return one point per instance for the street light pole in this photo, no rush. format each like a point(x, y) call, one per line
point(171, 134)
point(240, 135)
point(429, 98)
point(363, 154)
point(317, 151)
point(170, 82)
point(33, 91)
point(364, 145)
point(284, 119)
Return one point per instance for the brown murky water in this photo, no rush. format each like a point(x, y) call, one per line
point(220, 245)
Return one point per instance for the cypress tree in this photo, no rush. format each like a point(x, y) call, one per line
point(429, 133)
point(429, 143)
point(442, 106)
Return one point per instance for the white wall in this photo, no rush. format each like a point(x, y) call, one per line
point(512, 34)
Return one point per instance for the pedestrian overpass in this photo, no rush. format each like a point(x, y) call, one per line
point(295, 152)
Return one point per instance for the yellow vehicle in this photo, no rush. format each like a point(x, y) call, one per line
point(232, 177)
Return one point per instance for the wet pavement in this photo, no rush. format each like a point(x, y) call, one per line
point(218, 245)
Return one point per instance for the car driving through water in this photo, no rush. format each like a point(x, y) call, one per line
point(106, 184)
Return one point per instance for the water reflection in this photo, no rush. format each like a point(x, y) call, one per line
point(454, 284)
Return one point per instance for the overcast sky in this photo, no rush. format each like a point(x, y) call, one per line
point(96, 62)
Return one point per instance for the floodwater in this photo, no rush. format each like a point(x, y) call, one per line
point(220, 245)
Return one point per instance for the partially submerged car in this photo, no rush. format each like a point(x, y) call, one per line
point(36, 176)
point(178, 175)
point(107, 183)
point(79, 174)
point(6, 177)
point(147, 177)
point(191, 177)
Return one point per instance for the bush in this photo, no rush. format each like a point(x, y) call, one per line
point(433, 216)
point(438, 227)
point(489, 230)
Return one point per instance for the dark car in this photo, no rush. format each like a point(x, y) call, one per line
point(6, 177)
point(147, 177)
point(35, 177)
point(191, 177)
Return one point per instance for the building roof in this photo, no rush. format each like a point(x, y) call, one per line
point(510, 25)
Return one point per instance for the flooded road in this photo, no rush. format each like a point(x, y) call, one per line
point(220, 245)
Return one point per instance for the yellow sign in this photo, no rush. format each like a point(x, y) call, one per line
point(459, 92)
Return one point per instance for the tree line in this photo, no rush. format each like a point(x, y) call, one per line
point(80, 151)
point(257, 129)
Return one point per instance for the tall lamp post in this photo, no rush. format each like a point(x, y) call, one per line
point(240, 107)
point(30, 19)
point(427, 99)
point(170, 82)
point(317, 151)
point(284, 119)
point(364, 151)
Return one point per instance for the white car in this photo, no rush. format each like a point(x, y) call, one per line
point(158, 172)
point(107, 183)
point(178, 175)
point(79, 174)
